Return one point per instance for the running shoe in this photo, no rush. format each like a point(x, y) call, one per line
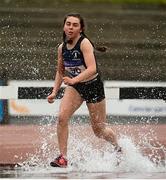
point(60, 161)
point(119, 154)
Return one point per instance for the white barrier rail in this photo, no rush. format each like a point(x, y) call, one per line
point(30, 92)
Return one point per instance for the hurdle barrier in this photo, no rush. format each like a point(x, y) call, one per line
point(114, 90)
point(122, 98)
point(136, 90)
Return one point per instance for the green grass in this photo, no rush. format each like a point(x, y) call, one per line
point(122, 1)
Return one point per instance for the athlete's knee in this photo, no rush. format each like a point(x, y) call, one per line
point(62, 121)
point(98, 130)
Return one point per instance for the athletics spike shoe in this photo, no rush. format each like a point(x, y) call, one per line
point(60, 161)
point(119, 154)
point(118, 149)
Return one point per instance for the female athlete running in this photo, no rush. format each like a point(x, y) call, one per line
point(77, 68)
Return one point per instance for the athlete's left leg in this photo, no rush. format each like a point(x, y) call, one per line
point(97, 112)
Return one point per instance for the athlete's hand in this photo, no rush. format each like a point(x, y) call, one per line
point(51, 97)
point(68, 80)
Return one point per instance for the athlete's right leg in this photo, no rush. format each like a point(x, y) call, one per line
point(70, 102)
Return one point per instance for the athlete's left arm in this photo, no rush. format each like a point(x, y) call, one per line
point(88, 53)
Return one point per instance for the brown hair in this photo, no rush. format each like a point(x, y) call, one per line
point(82, 23)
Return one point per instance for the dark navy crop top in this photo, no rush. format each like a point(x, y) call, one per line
point(73, 59)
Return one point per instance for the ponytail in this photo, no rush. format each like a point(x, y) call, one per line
point(98, 48)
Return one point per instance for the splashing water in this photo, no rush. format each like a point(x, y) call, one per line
point(87, 153)
point(90, 159)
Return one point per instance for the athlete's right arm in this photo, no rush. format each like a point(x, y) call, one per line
point(58, 77)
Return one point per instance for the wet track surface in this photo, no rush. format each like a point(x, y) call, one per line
point(34, 146)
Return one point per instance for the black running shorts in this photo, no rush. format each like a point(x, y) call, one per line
point(91, 91)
